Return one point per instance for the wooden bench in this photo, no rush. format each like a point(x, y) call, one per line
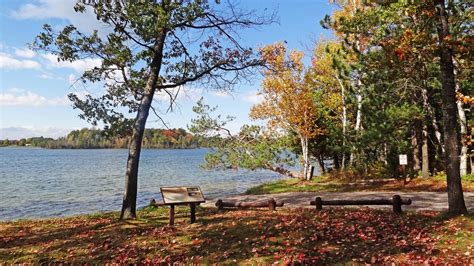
point(270, 203)
point(396, 201)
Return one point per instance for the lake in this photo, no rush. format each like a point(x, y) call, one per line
point(40, 183)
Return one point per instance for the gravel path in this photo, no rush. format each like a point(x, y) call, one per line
point(437, 201)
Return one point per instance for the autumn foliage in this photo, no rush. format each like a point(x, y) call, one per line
point(249, 237)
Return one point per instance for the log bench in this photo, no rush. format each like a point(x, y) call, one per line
point(396, 201)
point(270, 203)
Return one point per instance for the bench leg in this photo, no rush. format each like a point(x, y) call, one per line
point(193, 213)
point(319, 203)
point(397, 204)
point(171, 215)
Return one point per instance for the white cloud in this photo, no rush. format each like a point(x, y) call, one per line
point(16, 133)
point(25, 52)
point(9, 63)
point(16, 90)
point(252, 97)
point(222, 94)
point(181, 94)
point(18, 97)
point(61, 9)
point(49, 76)
point(72, 79)
point(79, 66)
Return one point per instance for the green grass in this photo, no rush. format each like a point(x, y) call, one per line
point(330, 183)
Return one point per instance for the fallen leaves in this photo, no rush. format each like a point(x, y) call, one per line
point(287, 236)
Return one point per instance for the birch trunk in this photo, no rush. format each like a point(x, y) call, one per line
point(425, 158)
point(464, 149)
point(463, 123)
point(344, 122)
point(304, 149)
point(416, 141)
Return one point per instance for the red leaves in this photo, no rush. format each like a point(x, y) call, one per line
point(286, 237)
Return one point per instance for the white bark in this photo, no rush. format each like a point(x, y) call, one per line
point(463, 122)
point(358, 124)
point(344, 121)
point(305, 154)
point(425, 161)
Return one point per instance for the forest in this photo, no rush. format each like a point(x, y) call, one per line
point(395, 78)
point(374, 92)
point(85, 138)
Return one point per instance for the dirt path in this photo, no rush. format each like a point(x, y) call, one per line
point(437, 201)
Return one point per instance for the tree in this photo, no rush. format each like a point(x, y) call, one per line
point(402, 60)
point(251, 148)
point(451, 157)
point(328, 73)
point(288, 100)
point(154, 47)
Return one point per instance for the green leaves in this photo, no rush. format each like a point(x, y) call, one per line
point(175, 42)
point(251, 148)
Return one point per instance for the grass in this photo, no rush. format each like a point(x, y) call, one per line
point(242, 236)
point(337, 183)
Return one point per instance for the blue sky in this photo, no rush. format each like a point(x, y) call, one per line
point(33, 86)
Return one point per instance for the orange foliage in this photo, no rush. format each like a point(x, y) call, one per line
point(288, 101)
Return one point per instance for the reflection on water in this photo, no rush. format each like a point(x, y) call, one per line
point(45, 183)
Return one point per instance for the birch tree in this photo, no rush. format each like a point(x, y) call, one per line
point(288, 102)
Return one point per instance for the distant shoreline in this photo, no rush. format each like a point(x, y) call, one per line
point(102, 148)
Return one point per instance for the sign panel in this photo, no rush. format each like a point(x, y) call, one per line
point(182, 195)
point(403, 159)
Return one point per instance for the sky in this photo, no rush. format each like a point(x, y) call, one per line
point(34, 86)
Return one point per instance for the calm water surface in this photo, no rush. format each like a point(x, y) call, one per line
point(44, 183)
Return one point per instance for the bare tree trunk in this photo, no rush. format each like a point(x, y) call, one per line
point(304, 149)
point(129, 204)
point(321, 163)
point(344, 122)
point(429, 113)
point(464, 149)
point(358, 123)
point(456, 203)
point(337, 166)
point(425, 158)
point(463, 123)
point(416, 141)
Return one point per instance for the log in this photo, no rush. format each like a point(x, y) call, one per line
point(271, 204)
point(396, 201)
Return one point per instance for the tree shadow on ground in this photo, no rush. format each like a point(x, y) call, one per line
point(251, 235)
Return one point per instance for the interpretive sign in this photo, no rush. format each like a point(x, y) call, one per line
point(403, 159)
point(181, 195)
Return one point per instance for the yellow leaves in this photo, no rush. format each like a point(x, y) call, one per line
point(288, 101)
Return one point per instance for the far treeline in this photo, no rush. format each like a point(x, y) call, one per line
point(85, 138)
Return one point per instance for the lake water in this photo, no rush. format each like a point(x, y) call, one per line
point(44, 183)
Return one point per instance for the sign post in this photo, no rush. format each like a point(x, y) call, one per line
point(182, 196)
point(403, 159)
